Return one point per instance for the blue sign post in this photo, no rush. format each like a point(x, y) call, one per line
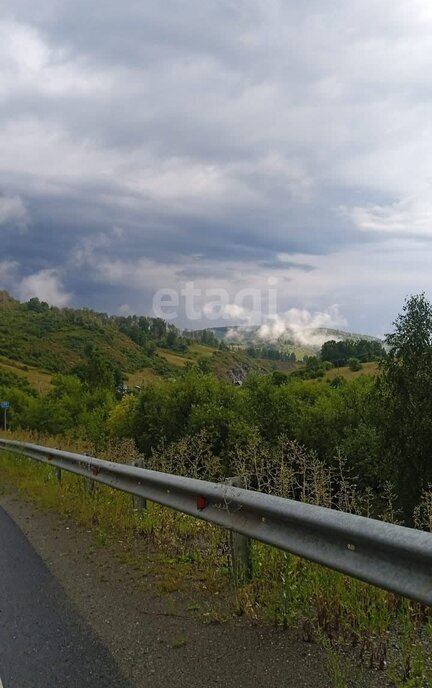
point(5, 405)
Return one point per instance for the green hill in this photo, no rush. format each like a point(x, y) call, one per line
point(38, 340)
point(233, 365)
point(58, 340)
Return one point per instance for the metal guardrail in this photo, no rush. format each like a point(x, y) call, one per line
point(392, 557)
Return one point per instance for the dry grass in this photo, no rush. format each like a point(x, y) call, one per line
point(201, 351)
point(174, 359)
point(120, 451)
point(195, 352)
point(347, 374)
point(144, 376)
point(39, 379)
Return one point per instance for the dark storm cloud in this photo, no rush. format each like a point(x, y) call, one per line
point(225, 141)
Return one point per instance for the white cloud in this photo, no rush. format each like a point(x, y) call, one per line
point(296, 325)
point(299, 99)
point(300, 325)
point(234, 311)
point(410, 216)
point(46, 285)
point(50, 158)
point(29, 64)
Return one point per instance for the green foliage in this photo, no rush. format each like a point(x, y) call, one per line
point(314, 368)
point(120, 423)
point(10, 380)
point(354, 364)
point(149, 332)
point(272, 352)
point(61, 339)
point(98, 373)
point(339, 353)
point(206, 337)
point(404, 402)
point(70, 407)
point(322, 417)
point(279, 378)
point(337, 381)
point(190, 404)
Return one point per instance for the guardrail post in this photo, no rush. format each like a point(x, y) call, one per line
point(139, 503)
point(240, 546)
point(58, 474)
point(89, 486)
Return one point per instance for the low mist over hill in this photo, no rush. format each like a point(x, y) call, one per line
point(306, 342)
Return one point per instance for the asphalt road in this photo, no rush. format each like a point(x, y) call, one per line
point(44, 643)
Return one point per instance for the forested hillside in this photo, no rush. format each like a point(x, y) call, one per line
point(58, 340)
point(61, 340)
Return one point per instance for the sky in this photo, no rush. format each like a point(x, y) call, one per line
point(270, 155)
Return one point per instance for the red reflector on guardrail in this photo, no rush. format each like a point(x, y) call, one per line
point(201, 503)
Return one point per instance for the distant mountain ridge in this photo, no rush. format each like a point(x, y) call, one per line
point(308, 340)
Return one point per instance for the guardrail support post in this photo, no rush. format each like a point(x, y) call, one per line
point(58, 474)
point(89, 486)
point(139, 503)
point(240, 546)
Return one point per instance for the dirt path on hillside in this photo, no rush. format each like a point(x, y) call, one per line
point(161, 639)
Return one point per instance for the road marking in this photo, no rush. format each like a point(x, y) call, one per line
point(1, 683)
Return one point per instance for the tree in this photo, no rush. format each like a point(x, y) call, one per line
point(99, 373)
point(37, 306)
point(120, 423)
point(354, 364)
point(405, 402)
point(340, 352)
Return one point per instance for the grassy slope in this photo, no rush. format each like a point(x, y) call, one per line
point(48, 341)
point(367, 369)
point(144, 376)
point(32, 344)
point(222, 363)
point(175, 359)
point(39, 379)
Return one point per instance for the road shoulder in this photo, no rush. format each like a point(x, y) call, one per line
point(163, 638)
